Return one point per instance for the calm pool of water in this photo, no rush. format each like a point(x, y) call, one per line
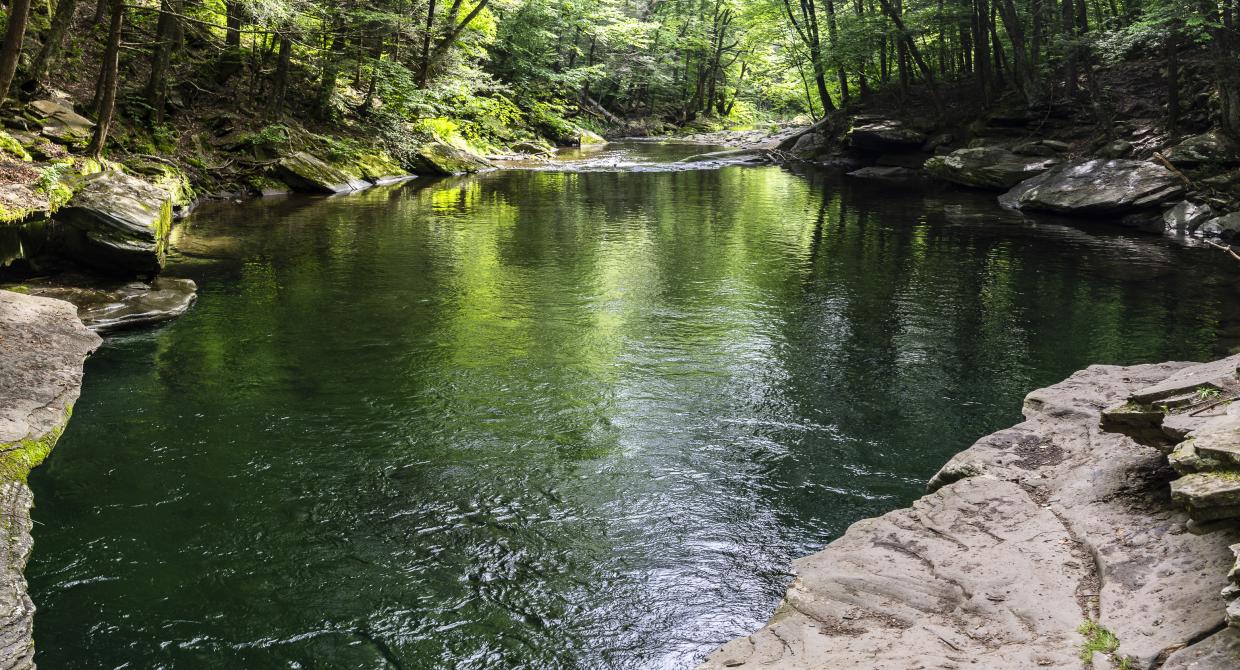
point(541, 419)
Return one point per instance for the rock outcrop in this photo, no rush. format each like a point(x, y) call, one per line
point(308, 173)
point(1110, 187)
point(42, 349)
point(107, 306)
point(883, 136)
point(122, 224)
point(1033, 543)
point(1225, 226)
point(988, 167)
point(441, 158)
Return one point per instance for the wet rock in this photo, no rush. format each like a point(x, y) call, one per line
point(440, 158)
point(987, 167)
point(1226, 226)
point(42, 348)
point(1187, 216)
point(883, 136)
point(891, 173)
point(122, 223)
point(531, 149)
point(60, 123)
point(1095, 187)
point(1116, 149)
point(1034, 149)
point(1207, 148)
point(306, 172)
point(108, 306)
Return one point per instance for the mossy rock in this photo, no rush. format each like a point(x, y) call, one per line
point(122, 224)
point(375, 165)
point(305, 172)
point(9, 146)
point(439, 158)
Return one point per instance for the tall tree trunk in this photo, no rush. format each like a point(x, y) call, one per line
point(331, 71)
point(52, 42)
point(279, 85)
point(428, 31)
point(11, 50)
point(232, 24)
point(981, 51)
point(1070, 75)
point(107, 81)
point(1173, 79)
point(833, 39)
point(167, 35)
point(1022, 70)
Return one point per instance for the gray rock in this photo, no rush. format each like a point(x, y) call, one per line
point(1208, 496)
point(1187, 216)
point(1226, 226)
point(1080, 518)
point(810, 145)
point(305, 172)
point(882, 136)
point(108, 306)
point(42, 348)
point(1095, 187)
point(885, 173)
point(60, 123)
point(1033, 149)
point(937, 142)
point(987, 167)
point(1220, 651)
point(1056, 145)
point(1116, 149)
point(1211, 147)
point(122, 222)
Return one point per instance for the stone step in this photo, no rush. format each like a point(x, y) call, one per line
point(1208, 495)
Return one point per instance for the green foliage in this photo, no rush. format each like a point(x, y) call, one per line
point(1100, 640)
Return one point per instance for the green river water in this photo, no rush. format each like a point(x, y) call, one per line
point(556, 419)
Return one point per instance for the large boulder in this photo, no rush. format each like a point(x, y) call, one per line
point(306, 172)
point(121, 223)
point(1206, 148)
point(988, 167)
point(1226, 226)
point(1187, 216)
point(1096, 186)
point(883, 136)
point(440, 158)
point(60, 123)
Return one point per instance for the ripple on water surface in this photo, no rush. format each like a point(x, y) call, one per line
point(555, 419)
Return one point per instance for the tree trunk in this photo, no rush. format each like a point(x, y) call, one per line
point(11, 50)
point(232, 30)
point(52, 43)
point(279, 85)
point(1022, 70)
point(1173, 80)
point(107, 81)
point(166, 34)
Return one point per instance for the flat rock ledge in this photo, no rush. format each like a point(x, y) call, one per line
point(43, 346)
point(1035, 545)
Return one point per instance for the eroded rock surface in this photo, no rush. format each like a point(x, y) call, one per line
point(305, 172)
point(1028, 534)
point(1096, 187)
point(109, 306)
point(42, 348)
point(123, 224)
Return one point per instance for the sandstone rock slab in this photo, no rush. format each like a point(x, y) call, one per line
point(988, 167)
point(1096, 187)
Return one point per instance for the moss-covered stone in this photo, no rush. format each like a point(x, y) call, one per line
point(17, 459)
point(439, 158)
point(9, 146)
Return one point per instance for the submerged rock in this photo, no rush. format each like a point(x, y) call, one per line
point(306, 172)
point(123, 224)
point(42, 348)
point(440, 158)
point(987, 167)
point(108, 306)
point(888, 173)
point(1096, 187)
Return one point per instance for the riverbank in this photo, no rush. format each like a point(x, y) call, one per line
point(43, 346)
point(1049, 544)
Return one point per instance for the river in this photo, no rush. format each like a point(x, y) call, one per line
point(557, 418)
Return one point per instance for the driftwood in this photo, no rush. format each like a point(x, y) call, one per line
point(1175, 171)
point(1225, 248)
